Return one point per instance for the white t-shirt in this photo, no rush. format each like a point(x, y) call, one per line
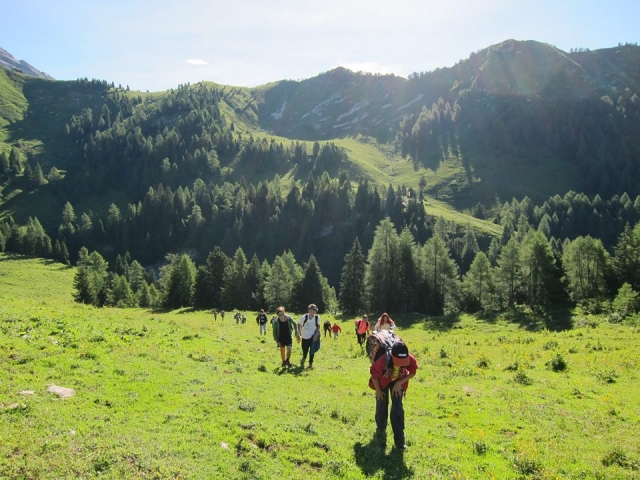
point(309, 328)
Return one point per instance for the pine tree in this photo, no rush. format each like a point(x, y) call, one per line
point(441, 275)
point(352, 286)
point(178, 281)
point(538, 269)
point(90, 279)
point(310, 288)
point(626, 262)
point(234, 291)
point(382, 260)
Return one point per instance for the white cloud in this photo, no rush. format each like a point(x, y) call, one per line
point(197, 61)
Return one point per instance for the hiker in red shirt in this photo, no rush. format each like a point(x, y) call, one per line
point(362, 329)
point(336, 329)
point(391, 373)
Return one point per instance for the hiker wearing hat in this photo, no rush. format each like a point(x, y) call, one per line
point(391, 373)
point(262, 320)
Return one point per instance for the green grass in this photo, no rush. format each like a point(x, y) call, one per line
point(177, 395)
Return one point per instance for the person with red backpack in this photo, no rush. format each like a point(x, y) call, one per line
point(391, 373)
point(363, 327)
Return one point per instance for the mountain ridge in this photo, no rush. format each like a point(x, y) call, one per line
point(9, 62)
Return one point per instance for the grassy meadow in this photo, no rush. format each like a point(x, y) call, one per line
point(179, 395)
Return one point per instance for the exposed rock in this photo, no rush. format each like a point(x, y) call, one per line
point(62, 392)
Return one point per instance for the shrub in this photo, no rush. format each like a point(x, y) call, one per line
point(557, 363)
point(607, 376)
point(619, 458)
point(482, 362)
point(480, 447)
point(522, 378)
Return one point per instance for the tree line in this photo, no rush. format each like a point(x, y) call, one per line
point(397, 274)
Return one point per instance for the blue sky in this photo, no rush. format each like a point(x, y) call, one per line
point(158, 44)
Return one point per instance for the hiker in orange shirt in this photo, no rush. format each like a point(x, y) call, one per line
point(363, 327)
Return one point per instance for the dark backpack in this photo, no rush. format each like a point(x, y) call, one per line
point(315, 317)
point(380, 343)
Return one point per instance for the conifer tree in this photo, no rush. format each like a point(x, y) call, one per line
point(585, 265)
point(478, 283)
point(626, 262)
point(380, 278)
point(352, 286)
point(538, 269)
point(178, 280)
point(234, 290)
point(310, 288)
point(90, 279)
point(441, 275)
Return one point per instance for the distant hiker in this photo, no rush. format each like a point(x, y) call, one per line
point(363, 327)
point(326, 326)
point(262, 320)
point(243, 318)
point(391, 373)
point(283, 327)
point(385, 322)
point(215, 315)
point(309, 331)
point(336, 329)
point(222, 315)
point(237, 317)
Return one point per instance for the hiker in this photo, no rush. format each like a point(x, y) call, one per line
point(336, 329)
point(283, 327)
point(215, 315)
point(309, 331)
point(363, 327)
point(262, 320)
point(326, 326)
point(391, 373)
point(385, 322)
point(222, 315)
point(237, 317)
point(243, 318)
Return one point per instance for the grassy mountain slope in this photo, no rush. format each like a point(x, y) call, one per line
point(179, 395)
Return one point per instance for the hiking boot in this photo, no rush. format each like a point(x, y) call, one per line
point(287, 363)
point(284, 363)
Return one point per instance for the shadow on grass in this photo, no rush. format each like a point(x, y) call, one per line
point(557, 319)
point(371, 458)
